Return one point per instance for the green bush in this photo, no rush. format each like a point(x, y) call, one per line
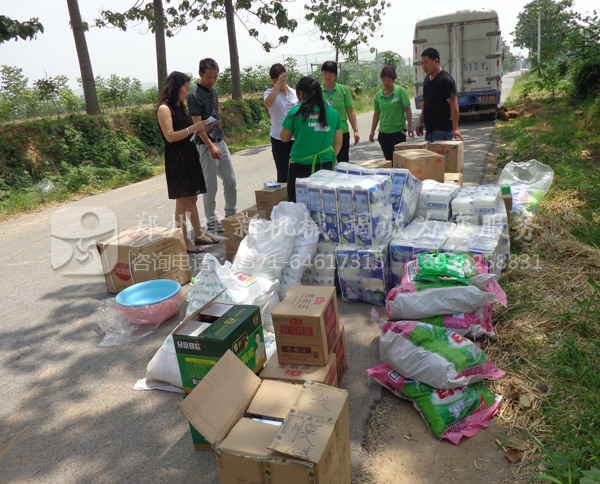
point(586, 78)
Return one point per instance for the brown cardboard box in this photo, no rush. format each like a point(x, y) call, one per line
point(293, 373)
point(423, 164)
point(311, 446)
point(454, 151)
point(341, 363)
point(454, 178)
point(235, 228)
point(306, 325)
point(274, 399)
point(377, 164)
point(267, 199)
point(411, 145)
point(143, 254)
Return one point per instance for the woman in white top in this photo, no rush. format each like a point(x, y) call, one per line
point(279, 99)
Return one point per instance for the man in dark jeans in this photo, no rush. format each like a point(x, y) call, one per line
point(440, 113)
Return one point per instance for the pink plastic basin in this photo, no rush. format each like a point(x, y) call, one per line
point(152, 313)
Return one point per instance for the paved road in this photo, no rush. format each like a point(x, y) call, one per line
point(68, 413)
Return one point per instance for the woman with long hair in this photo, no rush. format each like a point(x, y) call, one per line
point(182, 162)
point(391, 110)
point(317, 129)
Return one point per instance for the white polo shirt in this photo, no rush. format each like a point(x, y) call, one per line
point(280, 108)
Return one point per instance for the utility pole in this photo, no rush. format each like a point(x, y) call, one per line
point(539, 38)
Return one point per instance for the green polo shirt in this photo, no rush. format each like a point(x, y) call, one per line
point(339, 99)
point(310, 136)
point(391, 110)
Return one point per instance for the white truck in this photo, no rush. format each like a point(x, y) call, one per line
point(470, 48)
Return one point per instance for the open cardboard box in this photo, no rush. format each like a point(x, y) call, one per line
point(311, 446)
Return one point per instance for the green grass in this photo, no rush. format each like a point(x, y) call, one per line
point(565, 350)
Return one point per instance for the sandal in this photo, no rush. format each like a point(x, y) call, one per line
point(197, 250)
point(207, 241)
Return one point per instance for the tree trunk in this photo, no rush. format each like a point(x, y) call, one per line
point(161, 48)
point(236, 79)
point(85, 65)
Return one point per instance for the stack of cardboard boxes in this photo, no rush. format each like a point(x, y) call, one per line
point(308, 334)
point(442, 161)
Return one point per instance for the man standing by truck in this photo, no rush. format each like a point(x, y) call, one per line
point(439, 114)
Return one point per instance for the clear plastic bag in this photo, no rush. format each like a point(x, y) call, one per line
point(126, 325)
point(531, 175)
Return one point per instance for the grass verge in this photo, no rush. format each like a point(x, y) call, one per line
point(549, 336)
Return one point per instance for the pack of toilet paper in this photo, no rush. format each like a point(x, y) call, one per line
point(479, 199)
point(404, 193)
point(321, 270)
point(348, 208)
point(363, 272)
point(478, 239)
point(434, 202)
point(418, 237)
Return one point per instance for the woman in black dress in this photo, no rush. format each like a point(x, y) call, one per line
point(182, 162)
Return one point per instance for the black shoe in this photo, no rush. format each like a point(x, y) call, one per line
point(197, 250)
point(214, 227)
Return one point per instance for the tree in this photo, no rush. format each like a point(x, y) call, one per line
point(346, 24)
point(12, 29)
point(557, 22)
point(181, 13)
point(85, 65)
point(510, 62)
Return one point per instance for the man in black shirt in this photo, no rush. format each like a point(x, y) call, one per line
point(214, 155)
point(440, 103)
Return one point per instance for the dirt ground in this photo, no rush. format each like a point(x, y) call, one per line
point(402, 450)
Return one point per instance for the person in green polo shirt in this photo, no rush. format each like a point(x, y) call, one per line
point(317, 129)
point(391, 109)
point(339, 98)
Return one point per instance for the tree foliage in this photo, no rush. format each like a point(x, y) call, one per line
point(13, 29)
point(557, 23)
point(346, 24)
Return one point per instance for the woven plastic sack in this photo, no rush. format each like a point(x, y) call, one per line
point(436, 356)
point(449, 414)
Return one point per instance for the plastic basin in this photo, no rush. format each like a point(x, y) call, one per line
point(150, 302)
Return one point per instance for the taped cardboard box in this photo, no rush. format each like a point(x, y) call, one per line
point(454, 151)
point(377, 164)
point(341, 362)
point(311, 446)
point(411, 145)
point(143, 254)
point(235, 228)
point(422, 164)
point(306, 325)
point(204, 336)
point(267, 199)
point(294, 373)
point(454, 178)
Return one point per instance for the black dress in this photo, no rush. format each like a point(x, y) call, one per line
point(182, 161)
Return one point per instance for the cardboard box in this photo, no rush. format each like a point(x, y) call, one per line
point(454, 178)
point(143, 254)
point(454, 151)
point(204, 336)
point(306, 325)
point(267, 199)
point(341, 362)
point(235, 228)
point(377, 164)
point(293, 373)
point(411, 145)
point(423, 164)
point(311, 446)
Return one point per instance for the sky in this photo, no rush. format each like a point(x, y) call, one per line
point(132, 53)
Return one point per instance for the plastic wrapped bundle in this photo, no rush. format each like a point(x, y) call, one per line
point(418, 237)
point(435, 200)
point(322, 268)
point(372, 209)
point(478, 239)
point(476, 200)
point(363, 273)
